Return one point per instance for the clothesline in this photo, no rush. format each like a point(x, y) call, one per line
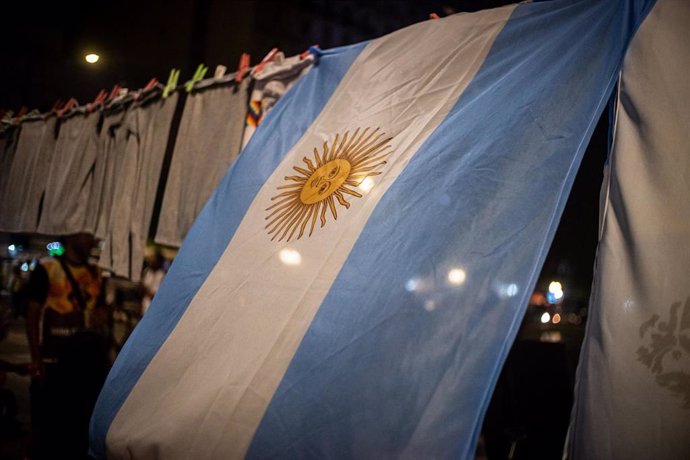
point(96, 168)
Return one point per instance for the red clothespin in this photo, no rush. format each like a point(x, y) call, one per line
point(243, 67)
point(22, 111)
point(307, 52)
point(434, 16)
point(113, 93)
point(100, 98)
point(269, 57)
point(69, 105)
point(150, 85)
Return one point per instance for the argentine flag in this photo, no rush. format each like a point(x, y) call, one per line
point(632, 398)
point(352, 287)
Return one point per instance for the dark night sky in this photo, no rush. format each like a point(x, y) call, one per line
point(43, 48)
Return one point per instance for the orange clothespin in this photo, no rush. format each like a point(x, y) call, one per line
point(115, 92)
point(150, 85)
point(100, 98)
point(269, 57)
point(69, 105)
point(242, 68)
point(434, 16)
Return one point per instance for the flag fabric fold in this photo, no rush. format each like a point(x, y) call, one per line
point(633, 382)
point(353, 285)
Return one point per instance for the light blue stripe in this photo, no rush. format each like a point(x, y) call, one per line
point(386, 371)
point(214, 228)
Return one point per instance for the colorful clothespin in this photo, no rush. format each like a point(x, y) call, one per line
point(100, 98)
point(172, 82)
point(269, 57)
point(242, 68)
point(198, 76)
point(115, 92)
point(69, 105)
point(308, 51)
point(150, 85)
point(434, 16)
point(220, 71)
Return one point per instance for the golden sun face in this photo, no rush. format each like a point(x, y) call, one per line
point(337, 171)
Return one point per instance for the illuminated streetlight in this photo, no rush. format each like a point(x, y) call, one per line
point(92, 58)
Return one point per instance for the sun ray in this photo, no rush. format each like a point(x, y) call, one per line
point(369, 150)
point(283, 222)
point(340, 147)
point(285, 194)
point(296, 178)
point(283, 214)
point(306, 222)
point(324, 155)
point(359, 140)
point(358, 181)
point(355, 147)
point(313, 219)
point(324, 208)
point(309, 164)
point(364, 161)
point(368, 140)
point(348, 147)
point(292, 222)
point(364, 151)
point(350, 192)
point(331, 205)
point(341, 199)
point(289, 198)
point(316, 157)
point(331, 154)
point(301, 170)
point(278, 228)
point(280, 209)
point(296, 224)
point(283, 187)
point(369, 168)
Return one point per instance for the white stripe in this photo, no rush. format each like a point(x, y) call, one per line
point(204, 393)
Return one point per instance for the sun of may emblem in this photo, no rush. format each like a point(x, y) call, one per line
point(333, 174)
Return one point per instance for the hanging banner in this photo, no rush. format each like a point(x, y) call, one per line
point(633, 384)
point(356, 281)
